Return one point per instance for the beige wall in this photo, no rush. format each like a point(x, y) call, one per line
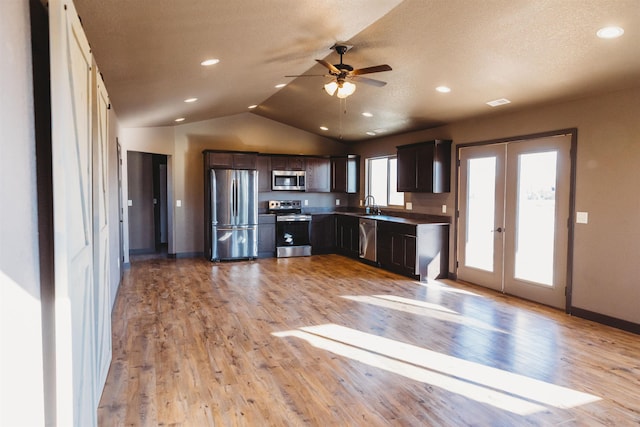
point(606, 274)
point(184, 145)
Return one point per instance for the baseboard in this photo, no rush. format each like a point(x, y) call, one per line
point(606, 320)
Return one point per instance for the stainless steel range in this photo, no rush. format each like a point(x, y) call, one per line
point(292, 228)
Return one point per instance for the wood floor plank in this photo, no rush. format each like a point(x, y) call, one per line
point(326, 340)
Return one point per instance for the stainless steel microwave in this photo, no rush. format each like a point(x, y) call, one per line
point(288, 180)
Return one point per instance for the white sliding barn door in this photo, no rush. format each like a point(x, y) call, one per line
point(75, 298)
point(101, 259)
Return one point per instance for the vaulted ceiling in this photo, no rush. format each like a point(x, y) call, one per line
point(531, 52)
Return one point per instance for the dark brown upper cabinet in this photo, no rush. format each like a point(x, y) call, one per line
point(230, 160)
point(425, 167)
point(345, 174)
point(287, 163)
point(318, 177)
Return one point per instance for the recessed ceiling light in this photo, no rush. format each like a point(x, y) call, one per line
point(324, 128)
point(497, 102)
point(181, 119)
point(251, 107)
point(443, 89)
point(371, 133)
point(610, 32)
point(367, 114)
point(207, 62)
point(281, 85)
point(191, 100)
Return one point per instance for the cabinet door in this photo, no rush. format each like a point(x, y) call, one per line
point(339, 174)
point(424, 156)
point(322, 234)
point(245, 161)
point(409, 244)
point(287, 163)
point(297, 163)
point(266, 236)
point(220, 160)
point(425, 167)
point(406, 172)
point(263, 164)
point(318, 175)
point(347, 238)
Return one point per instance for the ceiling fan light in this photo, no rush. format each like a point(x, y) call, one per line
point(346, 89)
point(331, 88)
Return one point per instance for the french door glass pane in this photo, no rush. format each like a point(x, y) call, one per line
point(378, 180)
point(395, 198)
point(481, 185)
point(536, 217)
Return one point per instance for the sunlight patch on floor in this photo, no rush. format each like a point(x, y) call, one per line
point(441, 286)
point(502, 389)
point(421, 308)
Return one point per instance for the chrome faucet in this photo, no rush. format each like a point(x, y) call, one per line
point(367, 206)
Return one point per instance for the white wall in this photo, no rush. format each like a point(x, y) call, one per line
point(21, 358)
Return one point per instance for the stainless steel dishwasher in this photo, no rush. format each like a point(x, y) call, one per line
point(367, 233)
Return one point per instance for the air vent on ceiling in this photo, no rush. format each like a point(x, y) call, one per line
point(497, 102)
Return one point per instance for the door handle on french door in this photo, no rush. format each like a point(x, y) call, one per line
point(498, 230)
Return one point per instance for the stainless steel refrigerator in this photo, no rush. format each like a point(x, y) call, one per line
point(234, 214)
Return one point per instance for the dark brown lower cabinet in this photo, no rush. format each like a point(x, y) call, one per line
point(323, 234)
point(347, 239)
point(266, 236)
point(419, 251)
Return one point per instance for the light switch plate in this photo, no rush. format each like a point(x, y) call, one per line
point(337, 202)
point(582, 217)
point(129, 202)
point(408, 206)
point(444, 208)
point(306, 202)
point(178, 203)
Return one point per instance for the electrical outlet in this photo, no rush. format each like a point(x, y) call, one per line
point(129, 202)
point(178, 203)
point(306, 202)
point(337, 202)
point(361, 202)
point(444, 208)
point(582, 217)
point(408, 206)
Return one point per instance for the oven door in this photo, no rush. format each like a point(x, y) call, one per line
point(293, 235)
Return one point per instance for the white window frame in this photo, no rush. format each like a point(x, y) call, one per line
point(368, 180)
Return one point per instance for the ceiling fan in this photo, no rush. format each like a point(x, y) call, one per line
point(341, 73)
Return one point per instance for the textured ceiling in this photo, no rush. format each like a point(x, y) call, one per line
point(529, 51)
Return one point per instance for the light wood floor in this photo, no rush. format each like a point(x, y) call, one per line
point(326, 341)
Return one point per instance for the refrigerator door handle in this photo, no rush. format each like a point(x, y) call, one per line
point(235, 199)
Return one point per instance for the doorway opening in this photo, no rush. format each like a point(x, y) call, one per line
point(147, 205)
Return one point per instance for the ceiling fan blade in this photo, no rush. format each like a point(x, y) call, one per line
point(311, 75)
point(366, 80)
point(331, 67)
point(369, 70)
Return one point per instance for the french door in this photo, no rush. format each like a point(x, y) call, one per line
point(514, 205)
